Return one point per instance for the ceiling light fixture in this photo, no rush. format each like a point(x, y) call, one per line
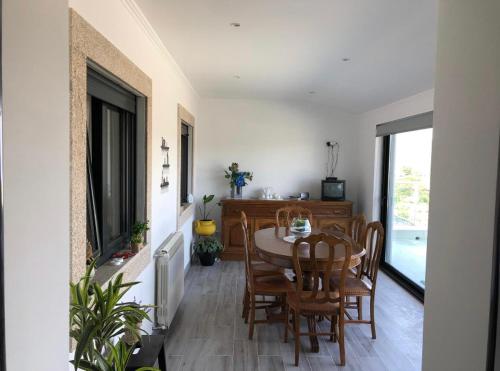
point(235, 24)
point(346, 59)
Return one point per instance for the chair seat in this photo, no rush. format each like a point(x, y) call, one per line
point(272, 285)
point(353, 286)
point(264, 269)
point(313, 308)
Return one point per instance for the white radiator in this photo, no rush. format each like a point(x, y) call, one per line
point(169, 278)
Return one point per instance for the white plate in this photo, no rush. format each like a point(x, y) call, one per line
point(292, 238)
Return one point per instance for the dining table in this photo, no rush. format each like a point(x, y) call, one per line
point(275, 246)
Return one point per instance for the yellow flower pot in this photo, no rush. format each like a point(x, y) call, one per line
point(205, 227)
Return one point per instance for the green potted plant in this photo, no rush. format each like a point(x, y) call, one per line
point(137, 238)
point(97, 316)
point(205, 226)
point(207, 249)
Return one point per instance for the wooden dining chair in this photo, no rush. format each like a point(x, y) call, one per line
point(323, 299)
point(355, 229)
point(259, 268)
point(258, 284)
point(358, 226)
point(365, 283)
point(285, 215)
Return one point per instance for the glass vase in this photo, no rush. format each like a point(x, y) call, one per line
point(236, 192)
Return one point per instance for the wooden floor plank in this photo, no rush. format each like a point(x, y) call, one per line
point(271, 363)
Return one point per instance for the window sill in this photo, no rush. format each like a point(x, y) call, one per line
point(131, 268)
point(185, 212)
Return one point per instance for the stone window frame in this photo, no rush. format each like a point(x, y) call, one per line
point(89, 47)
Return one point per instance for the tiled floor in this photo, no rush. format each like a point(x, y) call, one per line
point(209, 334)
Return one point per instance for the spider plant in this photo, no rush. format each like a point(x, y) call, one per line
point(97, 316)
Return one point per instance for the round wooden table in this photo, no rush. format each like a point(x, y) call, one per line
point(272, 248)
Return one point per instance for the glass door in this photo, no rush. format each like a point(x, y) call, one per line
point(407, 169)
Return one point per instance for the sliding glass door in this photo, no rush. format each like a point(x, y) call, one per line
point(407, 177)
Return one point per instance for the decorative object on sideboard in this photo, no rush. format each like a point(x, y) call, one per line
point(304, 195)
point(205, 226)
point(208, 249)
point(237, 179)
point(268, 194)
point(137, 238)
point(165, 163)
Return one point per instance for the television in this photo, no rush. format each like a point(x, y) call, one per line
point(333, 189)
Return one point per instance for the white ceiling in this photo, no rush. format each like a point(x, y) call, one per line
point(287, 48)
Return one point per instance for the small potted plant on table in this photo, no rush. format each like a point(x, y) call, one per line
point(137, 238)
point(208, 248)
point(205, 226)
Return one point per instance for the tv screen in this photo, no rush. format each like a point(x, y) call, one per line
point(333, 190)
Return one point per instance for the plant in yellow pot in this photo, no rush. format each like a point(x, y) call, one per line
point(205, 226)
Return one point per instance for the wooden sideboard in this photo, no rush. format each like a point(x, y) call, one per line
point(261, 214)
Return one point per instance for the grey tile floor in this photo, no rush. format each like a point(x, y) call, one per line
point(208, 333)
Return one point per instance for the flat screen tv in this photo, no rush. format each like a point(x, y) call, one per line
point(333, 189)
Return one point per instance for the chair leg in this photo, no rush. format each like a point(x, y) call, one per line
point(372, 316)
point(359, 304)
point(252, 317)
point(244, 313)
point(286, 324)
point(297, 337)
point(333, 329)
point(341, 340)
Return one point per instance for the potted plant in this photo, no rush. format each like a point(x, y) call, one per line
point(137, 238)
point(97, 316)
point(237, 179)
point(207, 249)
point(205, 226)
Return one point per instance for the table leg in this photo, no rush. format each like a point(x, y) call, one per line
point(311, 324)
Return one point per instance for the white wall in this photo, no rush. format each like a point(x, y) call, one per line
point(283, 143)
point(117, 23)
point(36, 183)
point(369, 148)
point(463, 186)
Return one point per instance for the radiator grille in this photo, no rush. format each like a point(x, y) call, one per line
point(169, 279)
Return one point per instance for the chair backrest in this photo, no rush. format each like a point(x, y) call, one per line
point(247, 254)
point(285, 215)
point(305, 249)
point(358, 226)
point(373, 241)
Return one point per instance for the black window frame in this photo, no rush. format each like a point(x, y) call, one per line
point(186, 161)
point(392, 272)
point(129, 110)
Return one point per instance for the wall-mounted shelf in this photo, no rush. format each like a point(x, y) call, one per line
point(166, 163)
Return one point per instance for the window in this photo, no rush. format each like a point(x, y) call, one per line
point(115, 166)
point(186, 161)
